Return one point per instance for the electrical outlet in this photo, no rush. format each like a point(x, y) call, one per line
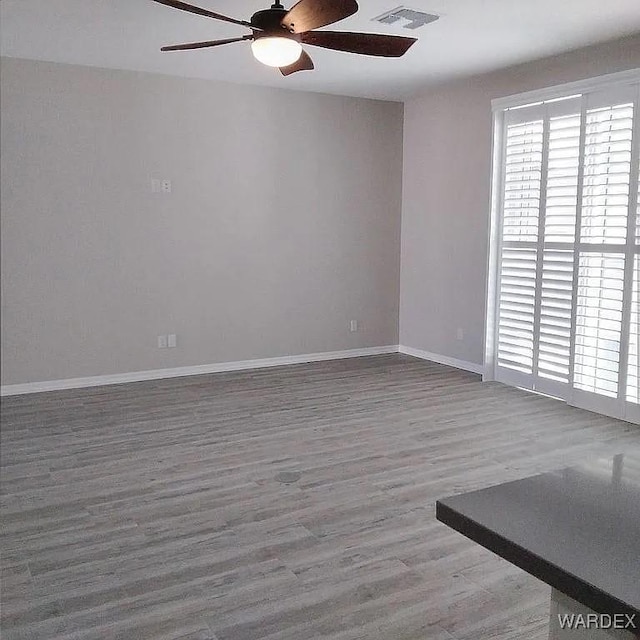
point(162, 342)
point(166, 186)
point(172, 341)
point(353, 326)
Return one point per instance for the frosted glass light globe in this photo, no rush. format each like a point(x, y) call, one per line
point(275, 51)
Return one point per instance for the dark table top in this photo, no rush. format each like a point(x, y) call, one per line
point(577, 529)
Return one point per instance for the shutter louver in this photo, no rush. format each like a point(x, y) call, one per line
point(607, 167)
point(599, 323)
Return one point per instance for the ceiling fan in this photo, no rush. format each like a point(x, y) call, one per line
point(277, 34)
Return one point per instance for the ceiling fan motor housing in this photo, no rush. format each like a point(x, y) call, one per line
point(269, 21)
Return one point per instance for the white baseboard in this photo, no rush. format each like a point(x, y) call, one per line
point(221, 367)
point(179, 372)
point(435, 357)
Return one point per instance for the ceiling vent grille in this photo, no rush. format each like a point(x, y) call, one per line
point(412, 19)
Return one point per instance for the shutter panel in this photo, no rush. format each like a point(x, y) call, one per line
point(633, 373)
point(638, 213)
point(554, 343)
point(607, 168)
point(633, 367)
point(521, 210)
point(563, 164)
point(516, 309)
point(605, 211)
point(599, 323)
point(562, 178)
point(523, 167)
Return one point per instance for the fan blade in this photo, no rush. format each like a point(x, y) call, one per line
point(176, 4)
point(369, 44)
point(203, 45)
point(304, 63)
point(312, 14)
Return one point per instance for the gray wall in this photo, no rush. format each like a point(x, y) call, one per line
point(446, 193)
point(283, 223)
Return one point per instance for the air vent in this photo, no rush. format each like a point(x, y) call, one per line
point(412, 19)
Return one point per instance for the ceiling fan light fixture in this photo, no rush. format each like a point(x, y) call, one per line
point(276, 51)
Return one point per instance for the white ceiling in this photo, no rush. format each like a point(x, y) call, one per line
point(471, 36)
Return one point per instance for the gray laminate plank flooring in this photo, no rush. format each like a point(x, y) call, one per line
point(280, 504)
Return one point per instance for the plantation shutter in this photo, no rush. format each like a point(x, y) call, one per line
point(567, 307)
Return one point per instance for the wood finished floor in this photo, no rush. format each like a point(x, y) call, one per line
point(281, 504)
